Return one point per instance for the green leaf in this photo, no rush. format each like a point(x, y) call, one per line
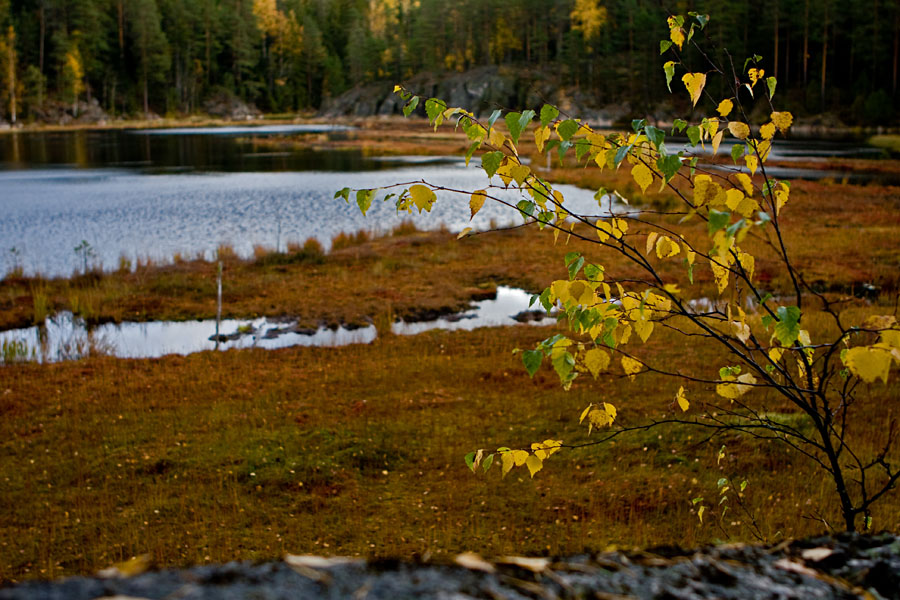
point(702, 19)
point(486, 464)
point(532, 360)
point(669, 164)
point(411, 106)
point(788, 327)
point(434, 108)
point(526, 207)
point(582, 147)
point(669, 69)
point(621, 153)
point(470, 461)
point(515, 127)
point(494, 116)
point(364, 200)
point(737, 152)
point(679, 125)
point(475, 146)
point(563, 364)
point(693, 134)
point(575, 266)
point(663, 46)
point(717, 220)
point(567, 129)
point(638, 124)
point(729, 372)
point(549, 114)
point(344, 193)
point(771, 82)
point(655, 135)
point(767, 320)
point(545, 300)
point(490, 162)
point(593, 272)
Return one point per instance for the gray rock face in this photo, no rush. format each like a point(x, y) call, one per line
point(480, 90)
point(845, 566)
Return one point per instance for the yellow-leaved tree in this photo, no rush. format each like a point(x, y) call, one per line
point(766, 350)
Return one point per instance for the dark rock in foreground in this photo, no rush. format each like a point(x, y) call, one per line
point(845, 566)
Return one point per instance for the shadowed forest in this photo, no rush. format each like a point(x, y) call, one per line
point(169, 57)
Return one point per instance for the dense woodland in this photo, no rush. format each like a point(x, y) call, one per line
point(169, 56)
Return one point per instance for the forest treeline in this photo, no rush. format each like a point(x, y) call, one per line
point(169, 56)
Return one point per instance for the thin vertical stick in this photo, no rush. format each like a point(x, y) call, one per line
point(218, 302)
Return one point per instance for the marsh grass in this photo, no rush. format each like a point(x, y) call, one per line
point(358, 451)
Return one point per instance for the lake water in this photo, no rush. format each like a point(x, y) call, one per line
point(152, 194)
point(64, 337)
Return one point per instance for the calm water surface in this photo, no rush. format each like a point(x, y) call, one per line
point(151, 194)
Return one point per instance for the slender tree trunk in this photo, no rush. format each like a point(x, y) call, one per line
point(896, 52)
point(776, 40)
point(42, 27)
point(11, 70)
point(824, 55)
point(120, 8)
point(805, 42)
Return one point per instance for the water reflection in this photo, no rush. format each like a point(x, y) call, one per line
point(65, 337)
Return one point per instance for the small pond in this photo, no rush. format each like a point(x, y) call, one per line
point(64, 337)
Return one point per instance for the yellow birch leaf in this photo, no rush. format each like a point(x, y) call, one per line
point(720, 272)
point(694, 82)
point(767, 131)
point(739, 130)
point(682, 401)
point(541, 135)
point(676, 34)
point(869, 362)
point(717, 140)
point(505, 173)
point(748, 263)
point(712, 127)
point(728, 390)
point(604, 229)
point(610, 411)
point(763, 148)
point(496, 138)
point(752, 163)
point(620, 228)
point(476, 202)
point(559, 290)
point(755, 75)
point(781, 197)
point(746, 183)
point(782, 120)
point(724, 108)
point(625, 335)
point(519, 456)
point(631, 367)
point(507, 461)
point(700, 513)
point(651, 240)
point(890, 337)
point(643, 328)
point(534, 464)
point(585, 412)
point(423, 197)
point(666, 247)
point(733, 198)
point(596, 361)
point(747, 380)
point(775, 353)
point(464, 233)
point(520, 173)
point(689, 254)
point(642, 175)
point(702, 185)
